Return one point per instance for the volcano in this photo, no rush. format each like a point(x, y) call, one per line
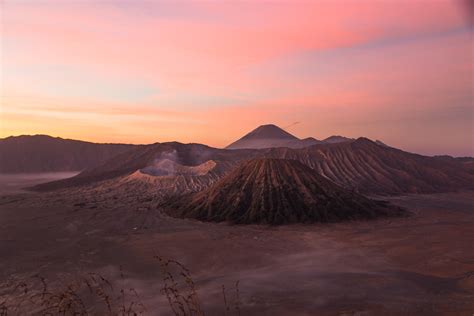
point(360, 165)
point(276, 191)
point(271, 136)
point(265, 136)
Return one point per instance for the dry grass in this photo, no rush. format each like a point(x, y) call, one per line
point(235, 304)
point(37, 295)
point(179, 288)
point(94, 294)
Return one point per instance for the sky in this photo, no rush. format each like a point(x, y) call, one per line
point(209, 72)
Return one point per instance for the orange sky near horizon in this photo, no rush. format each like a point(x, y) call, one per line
point(209, 72)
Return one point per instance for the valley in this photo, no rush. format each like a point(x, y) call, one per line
point(419, 265)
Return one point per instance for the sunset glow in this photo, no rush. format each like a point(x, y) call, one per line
point(209, 72)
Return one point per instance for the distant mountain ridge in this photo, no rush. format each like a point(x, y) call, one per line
point(360, 165)
point(336, 139)
point(272, 136)
point(42, 153)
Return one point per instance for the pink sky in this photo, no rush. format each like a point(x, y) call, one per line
point(208, 72)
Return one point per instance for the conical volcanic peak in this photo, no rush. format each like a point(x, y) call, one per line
point(271, 136)
point(276, 191)
point(269, 131)
point(265, 136)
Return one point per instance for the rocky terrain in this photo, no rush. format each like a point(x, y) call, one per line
point(276, 191)
point(146, 158)
point(369, 168)
point(360, 165)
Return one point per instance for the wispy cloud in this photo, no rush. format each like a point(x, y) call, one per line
point(163, 70)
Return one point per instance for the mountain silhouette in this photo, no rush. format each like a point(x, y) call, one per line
point(42, 153)
point(265, 136)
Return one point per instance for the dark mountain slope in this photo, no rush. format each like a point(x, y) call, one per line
point(370, 168)
point(41, 153)
point(146, 156)
point(276, 191)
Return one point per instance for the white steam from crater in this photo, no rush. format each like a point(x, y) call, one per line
point(164, 165)
point(167, 164)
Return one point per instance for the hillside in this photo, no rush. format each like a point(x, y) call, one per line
point(146, 159)
point(370, 168)
point(276, 191)
point(360, 165)
point(41, 153)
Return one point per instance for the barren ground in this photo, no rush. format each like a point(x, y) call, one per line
point(15, 183)
point(420, 265)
